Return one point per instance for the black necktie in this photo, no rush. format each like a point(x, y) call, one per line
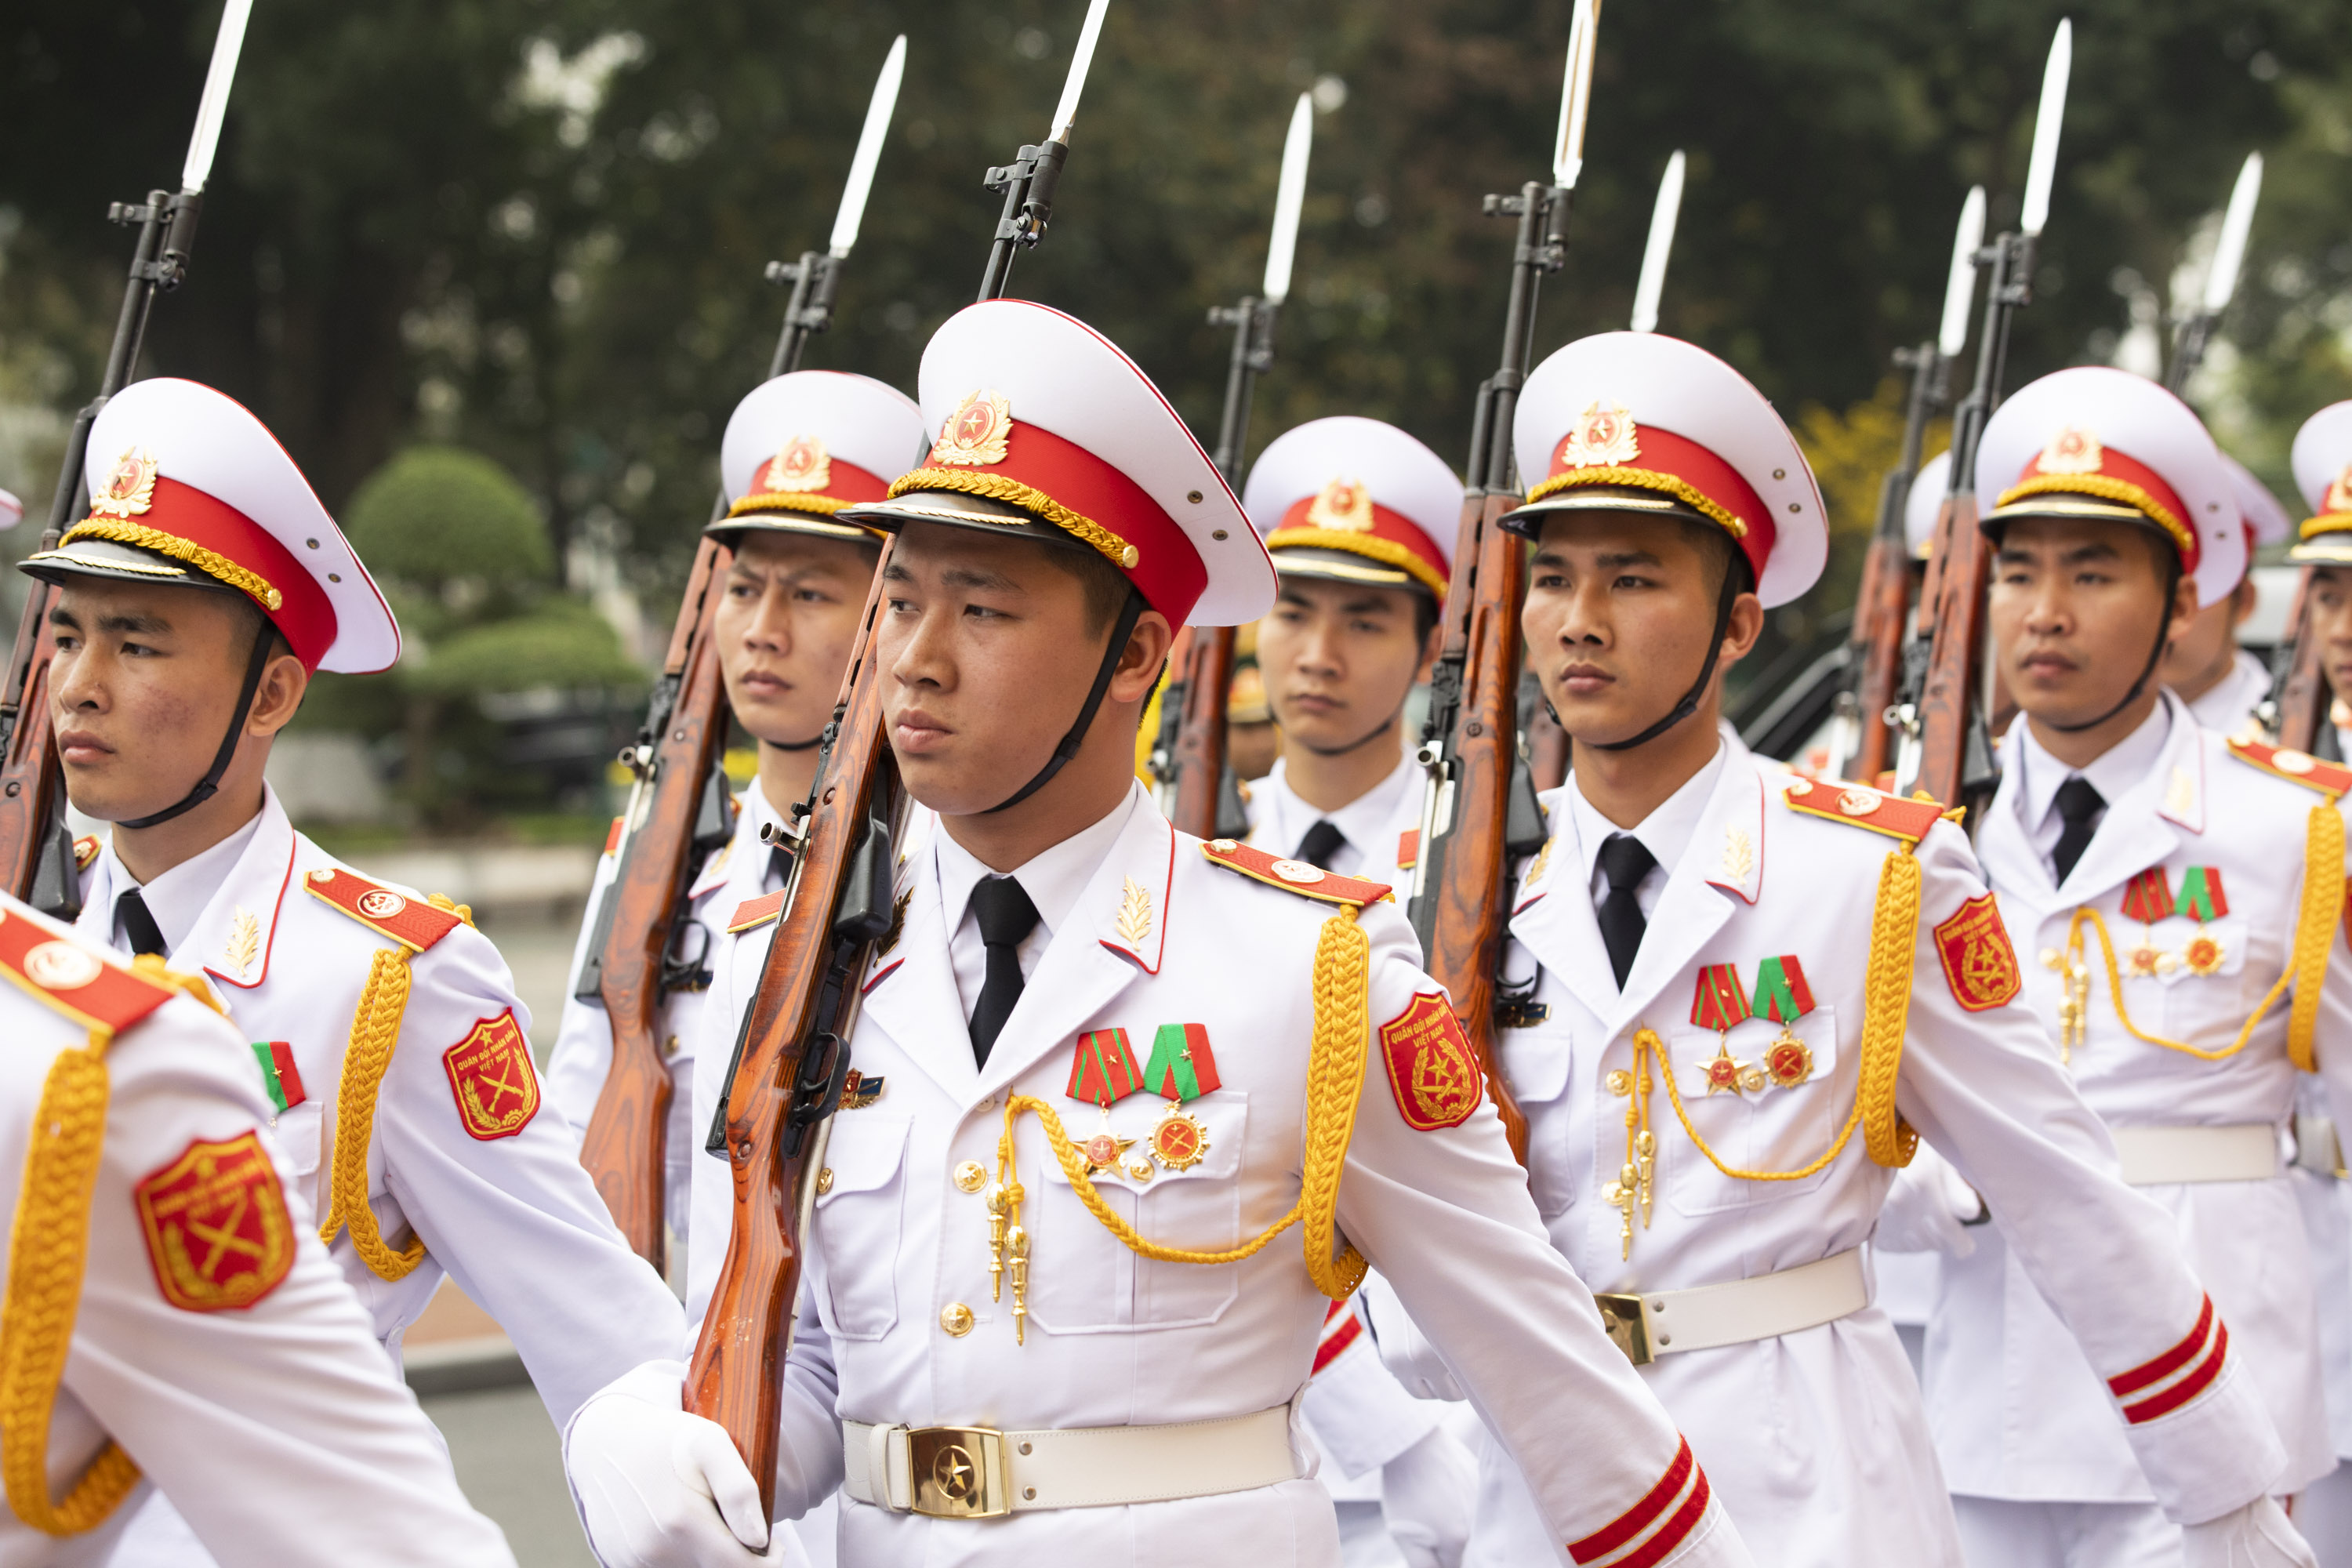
point(1006, 918)
point(1322, 841)
point(1624, 861)
point(780, 865)
point(2078, 806)
point(138, 924)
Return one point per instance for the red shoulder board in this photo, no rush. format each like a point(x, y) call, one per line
point(411, 922)
point(74, 980)
point(2295, 767)
point(613, 837)
point(1408, 848)
point(86, 849)
point(1857, 807)
point(1293, 875)
point(753, 913)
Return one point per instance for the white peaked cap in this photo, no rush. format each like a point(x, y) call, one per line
point(2322, 458)
point(2122, 439)
point(1929, 485)
point(1326, 484)
point(804, 445)
point(2257, 507)
point(198, 489)
point(1651, 412)
point(1034, 409)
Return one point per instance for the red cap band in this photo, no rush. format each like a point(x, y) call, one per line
point(1675, 465)
point(1393, 538)
point(846, 484)
point(2102, 471)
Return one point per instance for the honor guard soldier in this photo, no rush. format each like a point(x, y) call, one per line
point(169, 1323)
point(1353, 512)
point(2221, 682)
point(2179, 893)
point(1744, 995)
point(204, 588)
point(797, 450)
point(1095, 1088)
point(2322, 457)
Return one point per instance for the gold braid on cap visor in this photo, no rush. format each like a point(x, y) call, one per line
point(2325, 523)
point(2106, 487)
point(1682, 490)
point(210, 562)
point(1387, 552)
point(815, 506)
point(1013, 492)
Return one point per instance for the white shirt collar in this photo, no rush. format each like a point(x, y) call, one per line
point(177, 896)
point(1666, 833)
point(1361, 822)
point(1055, 879)
point(2113, 772)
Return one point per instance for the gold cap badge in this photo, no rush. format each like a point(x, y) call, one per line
point(803, 466)
point(2339, 492)
point(1604, 438)
point(975, 434)
point(1345, 504)
point(130, 487)
point(2071, 451)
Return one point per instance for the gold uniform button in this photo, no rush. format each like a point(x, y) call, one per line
point(825, 1181)
point(1621, 1082)
point(956, 1319)
point(969, 1177)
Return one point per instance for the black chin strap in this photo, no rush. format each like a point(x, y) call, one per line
point(2148, 670)
point(1689, 704)
point(1386, 725)
point(209, 785)
point(808, 745)
point(1129, 613)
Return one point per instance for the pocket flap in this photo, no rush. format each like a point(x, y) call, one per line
point(864, 1153)
point(1222, 1119)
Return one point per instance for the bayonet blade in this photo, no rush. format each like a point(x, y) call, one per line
point(211, 109)
point(1081, 61)
point(1290, 195)
point(1576, 96)
point(1662, 241)
point(1960, 287)
point(2047, 119)
point(869, 149)
point(2230, 253)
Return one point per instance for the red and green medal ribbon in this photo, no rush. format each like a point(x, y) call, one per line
point(279, 1075)
point(1104, 1070)
point(1782, 993)
point(1182, 1066)
point(2147, 898)
point(1721, 1001)
point(2201, 897)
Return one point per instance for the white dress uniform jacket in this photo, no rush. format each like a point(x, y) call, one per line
point(511, 1216)
point(2018, 1415)
point(1816, 1438)
point(1381, 826)
point(2226, 709)
point(737, 870)
point(278, 1427)
point(904, 1329)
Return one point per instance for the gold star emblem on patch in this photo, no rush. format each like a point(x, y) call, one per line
point(1344, 504)
point(1605, 437)
point(130, 486)
point(2071, 451)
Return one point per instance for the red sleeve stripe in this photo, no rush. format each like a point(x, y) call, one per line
point(1663, 1544)
point(2126, 1383)
point(1337, 1341)
point(1641, 1515)
point(2187, 1389)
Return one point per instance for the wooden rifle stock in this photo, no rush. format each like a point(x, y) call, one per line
point(1882, 616)
point(625, 1148)
point(1195, 791)
point(2302, 698)
point(1949, 702)
point(1466, 853)
point(790, 1060)
point(35, 845)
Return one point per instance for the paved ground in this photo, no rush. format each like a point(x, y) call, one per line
point(509, 1464)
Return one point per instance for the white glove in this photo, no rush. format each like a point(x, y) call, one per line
point(2255, 1536)
point(660, 1488)
point(1928, 1209)
point(1428, 1498)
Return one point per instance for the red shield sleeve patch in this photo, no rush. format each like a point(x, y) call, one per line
point(1978, 963)
point(490, 1075)
point(218, 1234)
point(1433, 1072)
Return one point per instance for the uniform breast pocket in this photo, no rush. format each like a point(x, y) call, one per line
point(858, 1222)
point(300, 1130)
point(2206, 989)
point(1766, 1098)
point(1537, 1063)
point(1083, 1279)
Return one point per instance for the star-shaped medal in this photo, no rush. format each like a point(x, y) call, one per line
point(1726, 1072)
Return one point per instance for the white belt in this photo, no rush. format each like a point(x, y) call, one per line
point(1659, 1322)
point(2316, 1148)
point(2163, 1156)
point(977, 1473)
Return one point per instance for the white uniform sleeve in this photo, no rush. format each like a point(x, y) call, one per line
point(279, 1431)
point(1446, 1218)
point(1986, 1088)
point(514, 1219)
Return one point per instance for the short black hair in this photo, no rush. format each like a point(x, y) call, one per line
point(1105, 586)
point(1712, 542)
point(1425, 609)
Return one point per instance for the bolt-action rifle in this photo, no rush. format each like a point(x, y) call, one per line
point(1195, 784)
point(679, 811)
point(1478, 806)
point(791, 1057)
point(1946, 746)
point(37, 857)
